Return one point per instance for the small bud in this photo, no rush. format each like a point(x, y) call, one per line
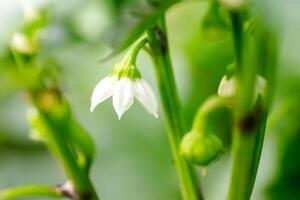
point(228, 87)
point(23, 44)
point(201, 149)
point(52, 102)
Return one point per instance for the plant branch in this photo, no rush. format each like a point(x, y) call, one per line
point(30, 190)
point(211, 104)
point(172, 110)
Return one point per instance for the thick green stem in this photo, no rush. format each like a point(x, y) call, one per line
point(250, 121)
point(30, 190)
point(172, 110)
point(59, 147)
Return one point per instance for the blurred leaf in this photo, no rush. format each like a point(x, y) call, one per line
point(133, 20)
point(9, 79)
point(284, 121)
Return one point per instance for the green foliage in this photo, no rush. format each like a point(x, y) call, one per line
point(131, 19)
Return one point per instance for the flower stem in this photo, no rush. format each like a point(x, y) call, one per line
point(211, 104)
point(170, 100)
point(30, 190)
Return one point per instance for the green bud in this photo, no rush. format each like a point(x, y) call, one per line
point(52, 102)
point(200, 148)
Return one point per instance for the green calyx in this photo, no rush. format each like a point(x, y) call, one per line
point(127, 67)
point(129, 71)
point(200, 148)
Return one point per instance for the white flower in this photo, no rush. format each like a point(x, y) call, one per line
point(22, 43)
point(227, 87)
point(123, 91)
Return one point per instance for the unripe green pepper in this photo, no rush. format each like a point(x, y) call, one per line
point(201, 148)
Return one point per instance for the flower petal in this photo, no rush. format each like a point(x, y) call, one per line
point(227, 87)
point(123, 96)
point(145, 95)
point(103, 90)
point(260, 85)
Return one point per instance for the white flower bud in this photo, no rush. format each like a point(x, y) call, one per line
point(228, 86)
point(23, 44)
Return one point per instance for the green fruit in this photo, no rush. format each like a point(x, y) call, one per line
point(201, 149)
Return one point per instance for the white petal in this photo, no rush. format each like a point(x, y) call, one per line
point(22, 43)
point(146, 96)
point(103, 90)
point(260, 85)
point(227, 87)
point(123, 96)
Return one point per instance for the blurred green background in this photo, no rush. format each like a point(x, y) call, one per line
point(133, 159)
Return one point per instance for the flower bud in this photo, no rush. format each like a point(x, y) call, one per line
point(23, 44)
point(228, 87)
point(200, 148)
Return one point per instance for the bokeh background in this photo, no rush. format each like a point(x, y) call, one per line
point(133, 159)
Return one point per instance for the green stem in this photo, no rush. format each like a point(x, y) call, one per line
point(19, 62)
point(58, 144)
point(59, 147)
point(210, 105)
point(30, 190)
point(172, 110)
point(237, 29)
point(131, 55)
point(250, 122)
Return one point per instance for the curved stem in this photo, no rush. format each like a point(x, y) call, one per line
point(172, 110)
point(131, 55)
point(210, 105)
point(30, 190)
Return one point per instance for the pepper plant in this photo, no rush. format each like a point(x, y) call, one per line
point(246, 89)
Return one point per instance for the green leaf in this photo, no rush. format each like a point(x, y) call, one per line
point(130, 22)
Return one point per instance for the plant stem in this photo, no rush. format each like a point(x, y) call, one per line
point(237, 30)
point(211, 104)
point(172, 110)
point(57, 144)
point(250, 121)
point(30, 190)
